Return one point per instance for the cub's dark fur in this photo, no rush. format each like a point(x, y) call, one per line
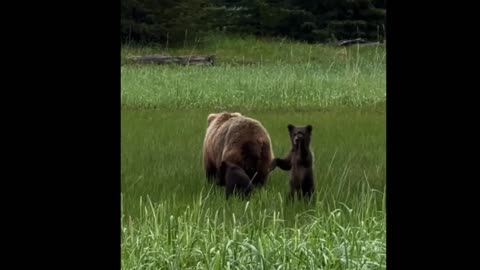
point(299, 161)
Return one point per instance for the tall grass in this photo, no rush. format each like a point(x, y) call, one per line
point(242, 235)
point(280, 76)
point(173, 219)
point(252, 50)
point(163, 183)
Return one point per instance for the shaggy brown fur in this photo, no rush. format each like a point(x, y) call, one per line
point(239, 140)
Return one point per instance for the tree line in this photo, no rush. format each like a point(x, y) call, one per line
point(315, 21)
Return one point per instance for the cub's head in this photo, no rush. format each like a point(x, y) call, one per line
point(300, 136)
point(221, 117)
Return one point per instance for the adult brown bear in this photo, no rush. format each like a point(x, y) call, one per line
point(238, 140)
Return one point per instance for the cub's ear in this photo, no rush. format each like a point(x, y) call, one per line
point(309, 128)
point(211, 117)
point(290, 127)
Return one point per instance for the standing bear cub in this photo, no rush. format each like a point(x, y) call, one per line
point(299, 161)
point(243, 144)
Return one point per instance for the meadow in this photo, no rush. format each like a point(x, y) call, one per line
point(173, 219)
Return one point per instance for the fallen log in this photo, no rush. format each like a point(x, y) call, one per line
point(182, 60)
point(371, 44)
point(351, 41)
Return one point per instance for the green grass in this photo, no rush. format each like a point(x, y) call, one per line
point(328, 76)
point(173, 219)
point(254, 51)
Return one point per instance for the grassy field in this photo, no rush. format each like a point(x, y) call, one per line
point(173, 219)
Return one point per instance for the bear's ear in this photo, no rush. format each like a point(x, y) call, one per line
point(309, 128)
point(211, 117)
point(290, 127)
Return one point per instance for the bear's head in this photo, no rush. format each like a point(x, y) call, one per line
point(300, 136)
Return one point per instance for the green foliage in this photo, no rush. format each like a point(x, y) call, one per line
point(165, 22)
point(186, 21)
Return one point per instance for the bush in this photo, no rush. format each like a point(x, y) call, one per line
point(184, 21)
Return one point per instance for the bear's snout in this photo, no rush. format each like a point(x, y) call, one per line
point(298, 139)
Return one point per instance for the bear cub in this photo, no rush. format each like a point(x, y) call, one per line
point(236, 180)
point(299, 161)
